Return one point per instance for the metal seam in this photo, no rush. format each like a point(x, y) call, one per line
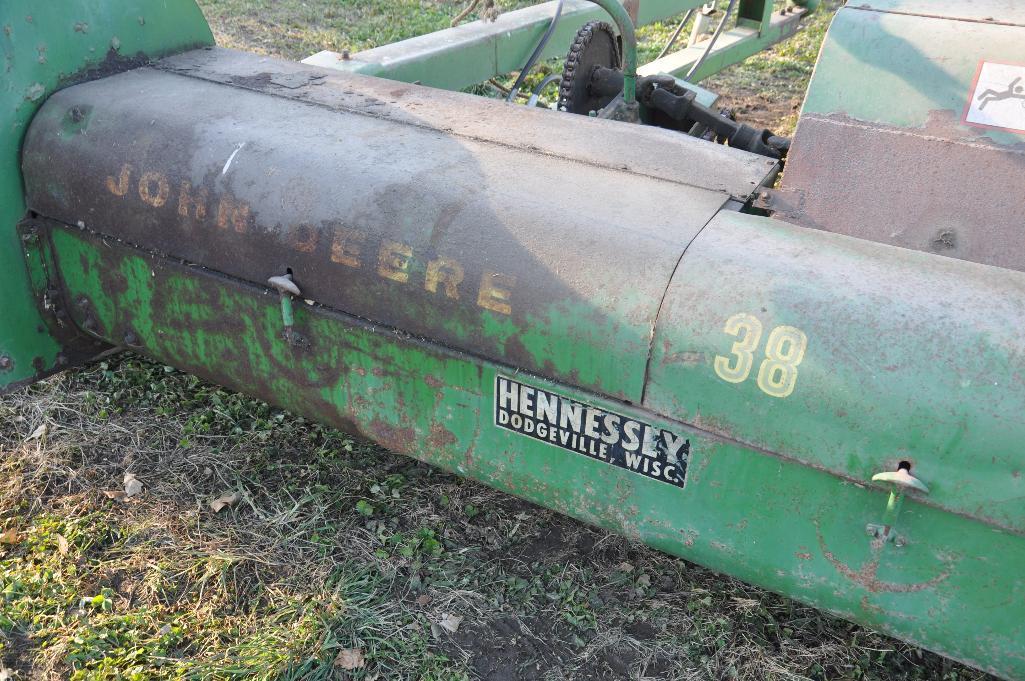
point(874, 128)
point(661, 302)
point(987, 22)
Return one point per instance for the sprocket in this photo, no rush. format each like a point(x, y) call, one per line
point(595, 46)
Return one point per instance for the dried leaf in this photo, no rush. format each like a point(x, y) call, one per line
point(133, 485)
point(164, 630)
point(450, 623)
point(224, 501)
point(115, 494)
point(350, 658)
point(625, 567)
point(62, 545)
point(10, 536)
point(644, 581)
point(38, 433)
point(423, 599)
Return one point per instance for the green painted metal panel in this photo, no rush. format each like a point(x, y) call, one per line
point(369, 211)
point(908, 71)
point(953, 584)
point(908, 357)
point(45, 44)
point(913, 133)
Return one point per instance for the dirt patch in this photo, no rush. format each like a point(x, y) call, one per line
point(507, 648)
point(761, 110)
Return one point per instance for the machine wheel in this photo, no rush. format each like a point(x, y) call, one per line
point(595, 46)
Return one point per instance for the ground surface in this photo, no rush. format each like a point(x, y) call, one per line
point(331, 553)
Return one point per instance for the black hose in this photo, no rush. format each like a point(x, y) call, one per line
point(553, 78)
point(532, 59)
point(676, 33)
point(711, 43)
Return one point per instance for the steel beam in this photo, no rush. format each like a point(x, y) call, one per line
point(456, 58)
point(733, 46)
point(472, 53)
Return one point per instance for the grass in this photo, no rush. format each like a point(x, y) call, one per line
point(295, 29)
point(336, 550)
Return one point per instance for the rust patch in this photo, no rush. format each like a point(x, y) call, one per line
point(396, 439)
point(684, 357)
point(939, 188)
point(440, 437)
point(865, 576)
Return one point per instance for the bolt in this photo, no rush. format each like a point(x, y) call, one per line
point(77, 115)
point(286, 289)
point(5, 363)
point(899, 542)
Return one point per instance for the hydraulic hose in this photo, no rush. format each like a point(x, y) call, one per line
point(711, 42)
point(536, 95)
point(532, 59)
point(676, 34)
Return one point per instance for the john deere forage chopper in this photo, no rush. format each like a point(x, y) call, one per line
point(818, 387)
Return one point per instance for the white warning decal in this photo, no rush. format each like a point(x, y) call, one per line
point(997, 99)
point(600, 434)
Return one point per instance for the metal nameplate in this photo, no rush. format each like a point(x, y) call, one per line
point(618, 440)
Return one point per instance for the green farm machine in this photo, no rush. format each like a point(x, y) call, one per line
point(622, 309)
